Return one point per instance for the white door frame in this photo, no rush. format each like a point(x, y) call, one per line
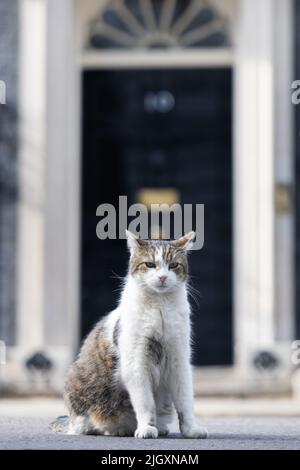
point(254, 217)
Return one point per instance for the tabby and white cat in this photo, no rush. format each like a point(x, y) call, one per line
point(134, 366)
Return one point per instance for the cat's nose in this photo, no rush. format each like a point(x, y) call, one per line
point(162, 278)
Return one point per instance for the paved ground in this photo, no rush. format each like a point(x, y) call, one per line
point(224, 433)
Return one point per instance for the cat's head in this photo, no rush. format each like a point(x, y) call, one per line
point(159, 265)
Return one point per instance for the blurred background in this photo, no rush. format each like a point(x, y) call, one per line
point(185, 101)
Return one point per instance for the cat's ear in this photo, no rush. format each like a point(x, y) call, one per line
point(133, 241)
point(186, 242)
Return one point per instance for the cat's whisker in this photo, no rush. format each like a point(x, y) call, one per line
point(197, 295)
point(193, 289)
point(117, 290)
point(194, 294)
point(118, 276)
point(195, 300)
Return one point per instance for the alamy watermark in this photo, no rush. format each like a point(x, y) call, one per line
point(296, 352)
point(2, 353)
point(2, 92)
point(158, 217)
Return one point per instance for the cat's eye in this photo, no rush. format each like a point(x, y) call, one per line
point(150, 265)
point(173, 265)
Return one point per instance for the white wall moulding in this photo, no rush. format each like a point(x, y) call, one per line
point(32, 134)
point(157, 59)
point(62, 185)
point(254, 179)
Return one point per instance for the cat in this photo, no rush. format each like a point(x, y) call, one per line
point(134, 367)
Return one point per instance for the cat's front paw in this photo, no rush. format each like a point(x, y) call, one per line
point(194, 432)
point(146, 432)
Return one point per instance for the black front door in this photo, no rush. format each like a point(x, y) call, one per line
point(161, 129)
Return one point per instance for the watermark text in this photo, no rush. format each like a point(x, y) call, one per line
point(156, 220)
point(2, 92)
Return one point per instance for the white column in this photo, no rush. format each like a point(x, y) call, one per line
point(284, 170)
point(62, 200)
point(31, 175)
point(253, 176)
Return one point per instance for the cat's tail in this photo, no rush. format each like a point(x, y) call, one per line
point(60, 424)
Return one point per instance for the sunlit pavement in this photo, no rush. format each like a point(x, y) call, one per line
point(224, 433)
point(232, 423)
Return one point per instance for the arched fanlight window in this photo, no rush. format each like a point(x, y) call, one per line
point(158, 24)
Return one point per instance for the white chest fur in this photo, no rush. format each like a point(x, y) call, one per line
point(166, 315)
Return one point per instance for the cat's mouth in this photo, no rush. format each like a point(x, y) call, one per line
point(162, 287)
